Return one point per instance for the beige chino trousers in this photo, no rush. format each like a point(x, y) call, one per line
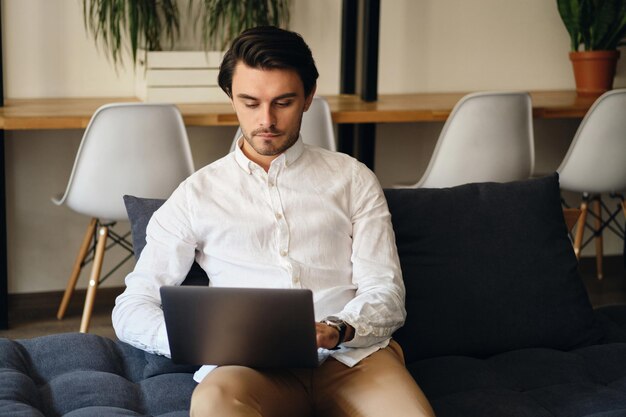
point(378, 386)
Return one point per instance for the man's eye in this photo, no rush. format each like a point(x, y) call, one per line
point(283, 103)
point(250, 105)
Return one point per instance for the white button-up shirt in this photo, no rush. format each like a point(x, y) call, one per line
point(317, 219)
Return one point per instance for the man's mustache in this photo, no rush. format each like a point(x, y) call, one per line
point(271, 130)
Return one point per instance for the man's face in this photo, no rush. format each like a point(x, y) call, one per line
point(269, 105)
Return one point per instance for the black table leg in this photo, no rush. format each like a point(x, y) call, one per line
point(369, 79)
point(366, 144)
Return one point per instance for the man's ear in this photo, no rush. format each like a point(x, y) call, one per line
point(309, 99)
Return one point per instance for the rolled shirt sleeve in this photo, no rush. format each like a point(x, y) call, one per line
point(378, 309)
point(167, 257)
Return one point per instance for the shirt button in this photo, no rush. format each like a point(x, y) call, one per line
point(270, 183)
point(283, 253)
point(279, 216)
point(296, 280)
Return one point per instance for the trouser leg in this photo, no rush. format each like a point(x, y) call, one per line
point(378, 386)
point(237, 391)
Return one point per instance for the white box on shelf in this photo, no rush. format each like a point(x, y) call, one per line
point(179, 77)
point(185, 95)
point(184, 59)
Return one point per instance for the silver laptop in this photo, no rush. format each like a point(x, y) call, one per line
point(254, 327)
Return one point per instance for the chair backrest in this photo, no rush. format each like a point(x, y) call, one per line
point(128, 148)
point(596, 159)
point(317, 126)
point(488, 137)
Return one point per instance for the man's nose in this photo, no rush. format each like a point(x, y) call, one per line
point(267, 117)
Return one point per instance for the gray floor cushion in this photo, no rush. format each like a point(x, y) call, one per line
point(86, 375)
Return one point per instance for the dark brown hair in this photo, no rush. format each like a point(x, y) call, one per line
point(268, 47)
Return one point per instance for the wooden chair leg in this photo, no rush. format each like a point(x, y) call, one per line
point(597, 208)
point(103, 233)
point(571, 216)
point(580, 229)
point(71, 282)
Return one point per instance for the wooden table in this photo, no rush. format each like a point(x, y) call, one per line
point(75, 113)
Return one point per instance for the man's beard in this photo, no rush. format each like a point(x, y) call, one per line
point(269, 150)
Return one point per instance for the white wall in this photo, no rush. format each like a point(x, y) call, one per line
point(426, 46)
point(457, 45)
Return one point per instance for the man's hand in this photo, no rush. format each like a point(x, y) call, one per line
point(327, 336)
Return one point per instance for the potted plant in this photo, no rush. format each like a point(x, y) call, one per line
point(596, 29)
point(144, 26)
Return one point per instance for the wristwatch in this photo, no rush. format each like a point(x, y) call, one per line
point(340, 325)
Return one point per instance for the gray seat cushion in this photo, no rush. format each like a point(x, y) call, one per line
point(537, 382)
point(588, 381)
point(87, 375)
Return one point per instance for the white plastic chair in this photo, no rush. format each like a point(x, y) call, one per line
point(317, 126)
point(127, 148)
point(595, 164)
point(487, 137)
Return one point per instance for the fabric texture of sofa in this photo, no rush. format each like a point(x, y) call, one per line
point(499, 322)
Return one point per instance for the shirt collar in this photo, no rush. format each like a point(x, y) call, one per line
point(288, 157)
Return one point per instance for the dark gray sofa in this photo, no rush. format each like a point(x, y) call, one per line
point(499, 322)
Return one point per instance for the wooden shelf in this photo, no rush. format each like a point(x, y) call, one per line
point(425, 107)
point(75, 113)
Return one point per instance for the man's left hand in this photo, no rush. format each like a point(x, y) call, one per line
point(327, 336)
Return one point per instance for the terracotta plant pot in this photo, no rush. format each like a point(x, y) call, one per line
point(594, 71)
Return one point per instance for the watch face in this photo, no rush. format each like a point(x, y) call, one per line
point(338, 324)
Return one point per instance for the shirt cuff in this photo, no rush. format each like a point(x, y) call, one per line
point(351, 356)
point(204, 370)
point(364, 334)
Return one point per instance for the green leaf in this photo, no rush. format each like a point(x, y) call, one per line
point(570, 14)
point(618, 34)
point(603, 26)
point(141, 23)
point(594, 24)
point(223, 20)
point(135, 24)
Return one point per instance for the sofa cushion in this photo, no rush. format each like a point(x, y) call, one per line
point(538, 382)
point(76, 374)
point(140, 211)
point(488, 268)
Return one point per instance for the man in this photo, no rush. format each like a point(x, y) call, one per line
point(278, 213)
